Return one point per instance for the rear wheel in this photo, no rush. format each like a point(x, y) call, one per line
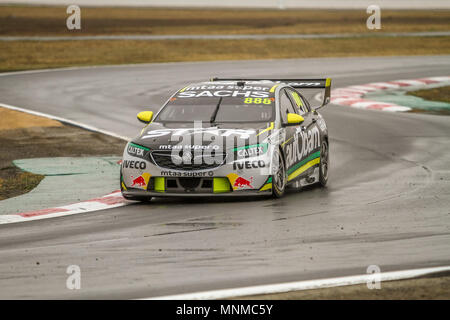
point(324, 163)
point(279, 177)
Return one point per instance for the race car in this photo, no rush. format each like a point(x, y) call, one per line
point(230, 137)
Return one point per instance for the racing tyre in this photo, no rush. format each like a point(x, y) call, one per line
point(324, 163)
point(279, 178)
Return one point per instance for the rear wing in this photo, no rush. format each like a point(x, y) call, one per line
point(295, 83)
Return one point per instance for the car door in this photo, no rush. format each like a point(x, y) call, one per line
point(291, 143)
point(307, 135)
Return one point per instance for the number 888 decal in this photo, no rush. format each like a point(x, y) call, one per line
point(258, 100)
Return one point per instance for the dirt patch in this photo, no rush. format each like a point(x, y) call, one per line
point(441, 94)
point(429, 288)
point(23, 20)
point(10, 119)
point(50, 21)
point(13, 182)
point(54, 140)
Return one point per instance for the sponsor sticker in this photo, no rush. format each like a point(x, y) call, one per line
point(136, 150)
point(186, 174)
point(132, 164)
point(140, 182)
point(304, 143)
point(251, 151)
point(239, 182)
point(249, 164)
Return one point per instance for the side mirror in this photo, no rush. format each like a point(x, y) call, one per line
point(145, 116)
point(294, 119)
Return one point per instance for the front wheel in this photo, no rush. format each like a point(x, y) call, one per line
point(324, 163)
point(279, 177)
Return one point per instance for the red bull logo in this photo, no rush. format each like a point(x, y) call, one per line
point(140, 181)
point(242, 182)
point(239, 182)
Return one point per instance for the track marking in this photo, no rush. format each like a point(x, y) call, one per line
point(302, 285)
point(353, 96)
point(112, 200)
point(147, 37)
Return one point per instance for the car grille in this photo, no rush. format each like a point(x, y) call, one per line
point(163, 159)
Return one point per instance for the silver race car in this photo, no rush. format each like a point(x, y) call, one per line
point(230, 137)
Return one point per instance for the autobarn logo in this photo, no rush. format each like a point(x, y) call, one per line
point(134, 164)
point(304, 143)
point(249, 165)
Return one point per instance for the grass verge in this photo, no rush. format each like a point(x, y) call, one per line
point(23, 55)
point(13, 182)
point(47, 138)
point(441, 94)
point(427, 288)
point(23, 20)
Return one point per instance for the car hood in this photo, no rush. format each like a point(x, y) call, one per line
point(166, 136)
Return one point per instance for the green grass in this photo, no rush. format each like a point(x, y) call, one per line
point(17, 182)
point(441, 94)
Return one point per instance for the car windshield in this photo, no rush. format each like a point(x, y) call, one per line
point(215, 109)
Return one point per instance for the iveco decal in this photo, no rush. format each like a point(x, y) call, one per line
point(134, 164)
point(249, 165)
point(304, 143)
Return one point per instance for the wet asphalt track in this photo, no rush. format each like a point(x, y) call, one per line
point(388, 200)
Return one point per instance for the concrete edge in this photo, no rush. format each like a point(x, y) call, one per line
point(303, 285)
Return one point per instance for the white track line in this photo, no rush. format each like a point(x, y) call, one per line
point(303, 285)
point(152, 37)
point(109, 201)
